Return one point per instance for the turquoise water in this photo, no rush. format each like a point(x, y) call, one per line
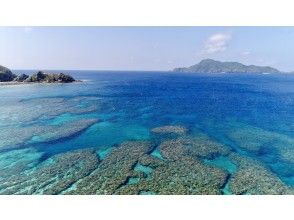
point(59, 128)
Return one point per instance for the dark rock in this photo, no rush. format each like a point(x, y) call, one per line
point(65, 78)
point(40, 77)
point(6, 75)
point(50, 78)
point(37, 77)
point(21, 78)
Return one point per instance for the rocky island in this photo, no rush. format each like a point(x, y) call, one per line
point(213, 66)
point(8, 77)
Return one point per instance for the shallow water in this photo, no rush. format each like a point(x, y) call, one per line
point(229, 119)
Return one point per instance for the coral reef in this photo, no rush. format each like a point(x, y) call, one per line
point(175, 129)
point(150, 161)
point(223, 162)
point(52, 133)
point(53, 176)
point(42, 133)
point(253, 178)
point(184, 165)
point(257, 140)
point(203, 146)
point(260, 141)
point(29, 110)
point(33, 119)
point(178, 174)
point(251, 138)
point(286, 152)
point(130, 169)
point(114, 171)
point(14, 162)
point(200, 146)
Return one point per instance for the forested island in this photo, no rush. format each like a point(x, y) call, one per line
point(213, 66)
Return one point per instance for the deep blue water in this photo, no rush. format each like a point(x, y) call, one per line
point(129, 104)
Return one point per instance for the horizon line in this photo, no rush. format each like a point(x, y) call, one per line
point(134, 70)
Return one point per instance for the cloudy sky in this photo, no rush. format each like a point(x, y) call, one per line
point(143, 48)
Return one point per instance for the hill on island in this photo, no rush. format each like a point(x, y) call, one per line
point(213, 66)
point(6, 75)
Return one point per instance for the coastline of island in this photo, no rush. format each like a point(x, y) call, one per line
point(206, 66)
point(217, 67)
point(7, 77)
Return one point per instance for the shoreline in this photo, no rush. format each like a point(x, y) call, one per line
point(12, 83)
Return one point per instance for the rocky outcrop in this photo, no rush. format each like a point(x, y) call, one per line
point(37, 77)
point(50, 78)
point(40, 77)
point(6, 75)
point(21, 78)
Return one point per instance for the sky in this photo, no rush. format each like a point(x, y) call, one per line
point(143, 48)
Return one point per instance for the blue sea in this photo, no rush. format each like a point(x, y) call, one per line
point(131, 132)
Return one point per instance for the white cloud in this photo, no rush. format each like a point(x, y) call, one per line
point(217, 43)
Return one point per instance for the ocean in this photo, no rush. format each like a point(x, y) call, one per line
point(134, 132)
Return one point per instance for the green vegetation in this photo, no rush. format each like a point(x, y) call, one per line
point(50, 77)
point(213, 66)
point(40, 77)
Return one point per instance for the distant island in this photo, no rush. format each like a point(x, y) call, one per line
point(213, 66)
point(8, 77)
